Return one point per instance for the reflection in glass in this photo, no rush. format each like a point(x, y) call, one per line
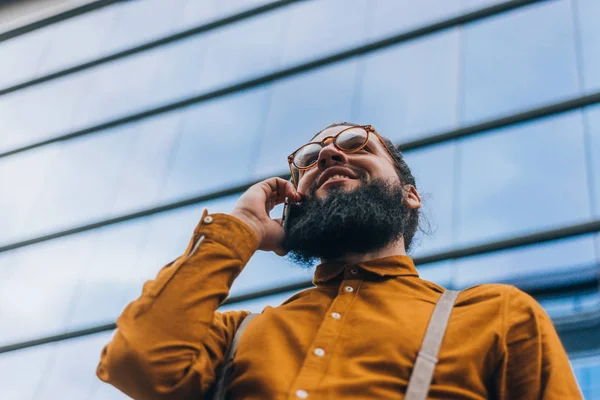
point(521, 59)
point(552, 264)
point(21, 56)
point(23, 371)
point(522, 179)
point(592, 116)
point(218, 145)
point(394, 17)
point(433, 169)
point(404, 93)
point(318, 28)
point(587, 12)
point(299, 108)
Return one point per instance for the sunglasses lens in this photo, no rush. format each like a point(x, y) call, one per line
point(352, 139)
point(307, 155)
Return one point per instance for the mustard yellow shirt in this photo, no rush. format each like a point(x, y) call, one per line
point(354, 336)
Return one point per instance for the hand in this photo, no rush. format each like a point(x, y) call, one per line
point(254, 206)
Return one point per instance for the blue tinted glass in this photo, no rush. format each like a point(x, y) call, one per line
point(52, 117)
point(38, 285)
point(593, 147)
point(393, 17)
point(561, 263)
point(79, 39)
point(587, 12)
point(87, 279)
point(433, 169)
point(235, 6)
point(137, 22)
point(21, 56)
point(522, 179)
point(299, 108)
point(218, 145)
point(441, 273)
point(404, 93)
point(82, 182)
point(72, 372)
point(318, 28)
point(242, 51)
point(23, 370)
point(22, 178)
point(517, 60)
point(587, 371)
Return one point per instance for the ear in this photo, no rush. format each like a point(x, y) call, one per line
point(411, 197)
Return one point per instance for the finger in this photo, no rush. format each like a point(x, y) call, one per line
point(283, 189)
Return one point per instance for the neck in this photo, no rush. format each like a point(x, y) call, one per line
point(395, 248)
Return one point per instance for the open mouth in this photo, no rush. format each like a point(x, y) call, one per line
point(336, 174)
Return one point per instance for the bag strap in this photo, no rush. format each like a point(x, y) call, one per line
point(420, 379)
point(224, 371)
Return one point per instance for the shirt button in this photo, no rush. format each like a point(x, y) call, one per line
point(336, 315)
point(319, 352)
point(349, 289)
point(301, 394)
point(208, 219)
point(354, 271)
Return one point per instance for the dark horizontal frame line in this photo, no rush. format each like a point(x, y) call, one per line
point(478, 249)
point(436, 139)
point(285, 73)
point(153, 44)
point(62, 16)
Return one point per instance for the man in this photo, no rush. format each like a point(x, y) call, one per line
point(355, 335)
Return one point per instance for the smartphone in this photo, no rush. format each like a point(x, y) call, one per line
point(286, 212)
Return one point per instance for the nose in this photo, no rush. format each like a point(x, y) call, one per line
point(330, 155)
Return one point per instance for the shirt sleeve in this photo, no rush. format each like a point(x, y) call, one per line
point(535, 364)
point(170, 340)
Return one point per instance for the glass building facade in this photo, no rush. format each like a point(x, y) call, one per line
point(119, 125)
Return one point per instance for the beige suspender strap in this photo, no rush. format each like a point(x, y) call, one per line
point(223, 374)
point(420, 379)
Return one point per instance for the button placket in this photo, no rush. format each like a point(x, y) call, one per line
point(323, 346)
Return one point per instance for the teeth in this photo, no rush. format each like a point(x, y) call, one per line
point(337, 176)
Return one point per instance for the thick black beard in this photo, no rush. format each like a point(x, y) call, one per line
point(361, 220)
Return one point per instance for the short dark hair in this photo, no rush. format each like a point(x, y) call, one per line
point(406, 178)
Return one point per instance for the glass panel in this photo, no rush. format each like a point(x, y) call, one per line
point(522, 179)
point(197, 13)
point(317, 28)
point(242, 51)
point(433, 169)
point(587, 371)
point(78, 39)
point(141, 21)
point(441, 273)
point(21, 57)
point(21, 178)
point(394, 17)
point(71, 372)
point(518, 60)
point(23, 370)
point(299, 108)
point(593, 147)
point(405, 94)
point(52, 117)
point(81, 185)
point(560, 263)
point(236, 6)
point(37, 286)
point(218, 145)
point(587, 12)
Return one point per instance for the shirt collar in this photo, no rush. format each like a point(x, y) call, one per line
point(387, 266)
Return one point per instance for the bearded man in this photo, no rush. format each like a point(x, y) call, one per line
point(367, 330)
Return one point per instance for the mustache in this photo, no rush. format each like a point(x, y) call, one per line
point(360, 174)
